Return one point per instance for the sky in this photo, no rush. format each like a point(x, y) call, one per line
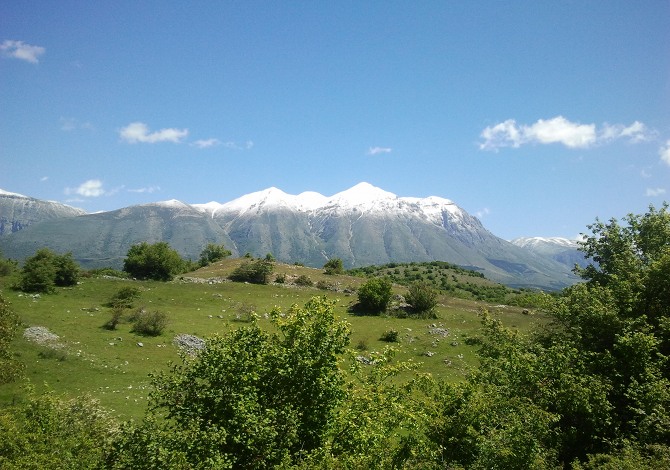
point(536, 117)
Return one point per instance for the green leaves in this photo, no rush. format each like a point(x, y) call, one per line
point(156, 261)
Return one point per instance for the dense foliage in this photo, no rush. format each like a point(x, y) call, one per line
point(334, 266)
point(251, 399)
point(10, 368)
point(155, 261)
point(213, 253)
point(46, 270)
point(255, 272)
point(422, 299)
point(374, 295)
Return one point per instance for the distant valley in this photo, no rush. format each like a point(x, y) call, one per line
point(363, 225)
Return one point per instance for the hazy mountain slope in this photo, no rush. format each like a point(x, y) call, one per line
point(18, 211)
point(103, 239)
point(562, 250)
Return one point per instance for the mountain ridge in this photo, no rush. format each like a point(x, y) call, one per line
point(362, 225)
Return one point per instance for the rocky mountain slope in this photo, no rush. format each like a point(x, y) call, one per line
point(562, 250)
point(18, 211)
point(363, 225)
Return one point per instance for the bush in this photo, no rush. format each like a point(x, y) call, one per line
point(256, 272)
point(280, 278)
point(124, 298)
point(422, 298)
point(391, 336)
point(304, 280)
point(374, 295)
point(157, 261)
point(324, 285)
point(46, 270)
point(117, 313)
point(149, 323)
point(334, 266)
point(213, 253)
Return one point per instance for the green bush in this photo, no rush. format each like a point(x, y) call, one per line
point(117, 313)
point(304, 280)
point(374, 295)
point(422, 298)
point(213, 253)
point(255, 272)
point(157, 261)
point(124, 297)
point(334, 266)
point(390, 336)
point(149, 323)
point(46, 270)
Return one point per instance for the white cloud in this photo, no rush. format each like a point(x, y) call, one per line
point(235, 146)
point(378, 150)
point(90, 188)
point(44, 178)
point(21, 50)
point(149, 190)
point(665, 153)
point(653, 192)
point(482, 213)
point(139, 132)
point(206, 143)
point(559, 130)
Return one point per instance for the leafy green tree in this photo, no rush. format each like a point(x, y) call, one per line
point(334, 266)
point(374, 295)
point(45, 270)
point(256, 272)
point(213, 253)
point(422, 298)
point(7, 266)
point(250, 399)
point(10, 368)
point(153, 261)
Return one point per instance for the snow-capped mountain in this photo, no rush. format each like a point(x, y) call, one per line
point(18, 211)
point(362, 225)
point(563, 250)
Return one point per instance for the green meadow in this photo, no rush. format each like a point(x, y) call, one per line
point(115, 366)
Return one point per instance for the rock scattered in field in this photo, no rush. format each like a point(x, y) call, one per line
point(41, 335)
point(436, 330)
point(189, 343)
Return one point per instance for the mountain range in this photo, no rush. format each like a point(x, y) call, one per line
point(363, 225)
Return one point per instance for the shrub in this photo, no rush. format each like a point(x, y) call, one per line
point(334, 266)
point(390, 336)
point(213, 253)
point(304, 280)
point(124, 298)
point(149, 323)
point(117, 313)
point(374, 295)
point(422, 298)
point(256, 272)
point(324, 285)
point(157, 261)
point(280, 278)
point(45, 270)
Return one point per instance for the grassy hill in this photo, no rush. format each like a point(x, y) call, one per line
point(113, 367)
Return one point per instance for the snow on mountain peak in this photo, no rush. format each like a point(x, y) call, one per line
point(362, 193)
point(7, 193)
point(535, 241)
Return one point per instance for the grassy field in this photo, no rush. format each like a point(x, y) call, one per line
point(113, 367)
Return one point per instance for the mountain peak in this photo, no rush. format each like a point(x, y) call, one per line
point(7, 193)
point(362, 193)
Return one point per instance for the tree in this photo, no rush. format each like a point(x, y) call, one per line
point(213, 253)
point(156, 261)
point(250, 399)
point(374, 295)
point(46, 270)
point(334, 266)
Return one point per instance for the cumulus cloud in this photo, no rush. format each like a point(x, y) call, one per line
point(665, 153)
point(206, 143)
point(559, 130)
point(90, 188)
point(139, 132)
point(378, 150)
point(482, 213)
point(21, 50)
point(653, 192)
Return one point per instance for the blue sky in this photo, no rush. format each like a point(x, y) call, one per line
point(537, 117)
